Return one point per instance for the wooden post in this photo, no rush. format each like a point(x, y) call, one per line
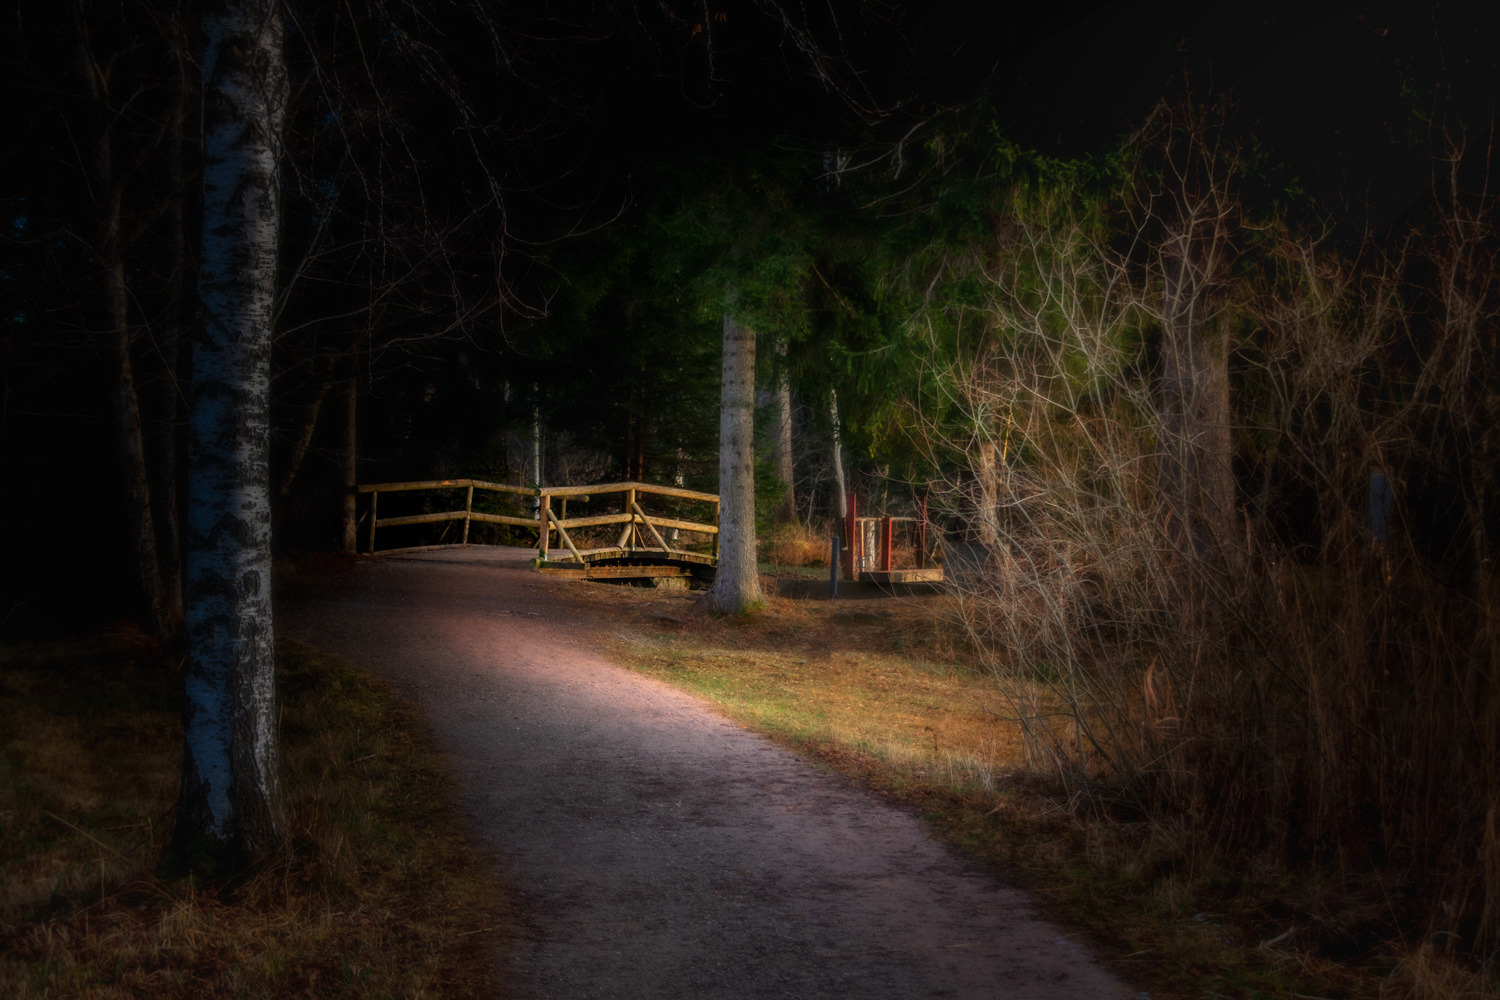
point(543, 530)
point(373, 495)
point(886, 530)
point(565, 539)
point(468, 511)
point(650, 527)
point(630, 509)
point(851, 538)
point(922, 537)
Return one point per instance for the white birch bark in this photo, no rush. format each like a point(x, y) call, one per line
point(230, 804)
point(736, 581)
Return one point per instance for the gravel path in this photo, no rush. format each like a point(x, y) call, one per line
point(661, 850)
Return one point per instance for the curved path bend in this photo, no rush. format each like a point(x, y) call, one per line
point(662, 851)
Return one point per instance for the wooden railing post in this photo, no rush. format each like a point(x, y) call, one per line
point(543, 529)
point(630, 509)
point(468, 511)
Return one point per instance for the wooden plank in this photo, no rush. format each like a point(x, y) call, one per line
point(432, 484)
point(529, 491)
point(444, 484)
point(572, 571)
point(419, 548)
point(672, 522)
point(673, 555)
point(585, 522)
point(447, 515)
point(595, 556)
point(676, 491)
point(932, 574)
point(519, 522)
point(608, 552)
point(670, 491)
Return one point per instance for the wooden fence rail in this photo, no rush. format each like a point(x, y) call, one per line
point(631, 516)
point(546, 520)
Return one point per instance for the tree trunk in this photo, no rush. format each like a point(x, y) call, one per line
point(781, 442)
point(349, 521)
point(172, 335)
point(230, 805)
point(737, 580)
point(840, 494)
point(303, 442)
point(114, 318)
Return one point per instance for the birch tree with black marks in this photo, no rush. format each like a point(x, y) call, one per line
point(230, 805)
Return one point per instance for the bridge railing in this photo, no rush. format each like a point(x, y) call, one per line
point(639, 529)
point(640, 532)
point(466, 516)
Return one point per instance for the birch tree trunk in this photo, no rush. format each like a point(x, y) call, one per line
point(840, 492)
point(781, 444)
point(230, 804)
point(736, 582)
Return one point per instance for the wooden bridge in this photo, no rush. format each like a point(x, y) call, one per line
point(640, 550)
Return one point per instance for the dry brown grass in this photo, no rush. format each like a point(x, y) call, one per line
point(379, 893)
point(794, 544)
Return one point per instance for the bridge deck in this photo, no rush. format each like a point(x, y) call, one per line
point(616, 563)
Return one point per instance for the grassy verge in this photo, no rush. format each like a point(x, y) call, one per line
point(878, 690)
point(379, 894)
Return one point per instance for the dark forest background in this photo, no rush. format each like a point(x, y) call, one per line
point(1184, 320)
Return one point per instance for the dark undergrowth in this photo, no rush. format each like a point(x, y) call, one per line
point(378, 894)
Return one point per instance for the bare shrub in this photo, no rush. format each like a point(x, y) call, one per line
point(1307, 674)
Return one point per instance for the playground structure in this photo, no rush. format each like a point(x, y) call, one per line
point(869, 546)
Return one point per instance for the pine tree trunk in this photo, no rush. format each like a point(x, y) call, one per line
point(736, 581)
point(230, 804)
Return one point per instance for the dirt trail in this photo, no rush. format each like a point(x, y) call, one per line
point(661, 850)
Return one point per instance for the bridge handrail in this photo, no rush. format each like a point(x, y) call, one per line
point(545, 521)
point(630, 517)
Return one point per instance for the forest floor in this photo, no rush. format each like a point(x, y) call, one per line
point(659, 849)
point(380, 892)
